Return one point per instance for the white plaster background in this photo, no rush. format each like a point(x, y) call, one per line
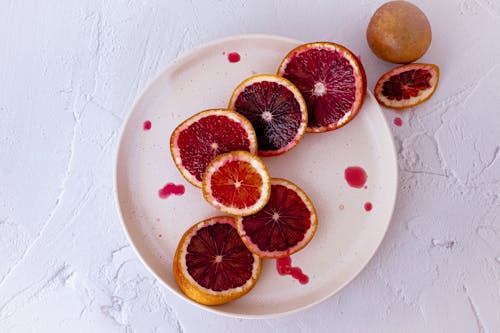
point(69, 72)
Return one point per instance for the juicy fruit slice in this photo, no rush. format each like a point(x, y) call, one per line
point(407, 85)
point(196, 141)
point(284, 226)
point(237, 183)
point(331, 79)
point(212, 265)
point(276, 109)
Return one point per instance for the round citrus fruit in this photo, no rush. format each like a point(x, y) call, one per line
point(399, 32)
point(237, 183)
point(196, 141)
point(276, 109)
point(212, 265)
point(407, 85)
point(284, 226)
point(331, 79)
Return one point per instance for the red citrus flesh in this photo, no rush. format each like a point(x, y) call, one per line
point(237, 183)
point(199, 139)
point(212, 265)
point(332, 81)
point(284, 226)
point(275, 108)
point(407, 85)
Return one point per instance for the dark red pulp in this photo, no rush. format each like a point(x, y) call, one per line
point(327, 81)
point(207, 138)
point(273, 111)
point(406, 84)
point(281, 224)
point(284, 267)
point(217, 258)
point(170, 189)
point(355, 176)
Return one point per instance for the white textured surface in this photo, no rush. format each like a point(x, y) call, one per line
point(70, 71)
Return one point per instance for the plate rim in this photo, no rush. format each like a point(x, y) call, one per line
point(183, 58)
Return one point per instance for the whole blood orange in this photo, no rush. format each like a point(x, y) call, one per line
point(212, 265)
point(407, 85)
point(276, 109)
point(331, 79)
point(197, 140)
point(284, 226)
point(399, 32)
point(237, 183)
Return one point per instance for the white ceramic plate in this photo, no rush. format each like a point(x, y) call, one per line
point(347, 235)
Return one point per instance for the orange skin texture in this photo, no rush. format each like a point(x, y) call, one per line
point(399, 32)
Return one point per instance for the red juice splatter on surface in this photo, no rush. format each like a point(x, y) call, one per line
point(368, 206)
point(170, 189)
point(355, 176)
point(233, 57)
point(284, 267)
point(398, 121)
point(147, 125)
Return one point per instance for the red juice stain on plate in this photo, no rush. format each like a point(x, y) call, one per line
point(368, 206)
point(233, 57)
point(398, 121)
point(147, 125)
point(284, 267)
point(170, 189)
point(355, 176)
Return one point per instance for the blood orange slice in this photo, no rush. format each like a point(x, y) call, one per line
point(237, 183)
point(284, 226)
point(407, 85)
point(276, 109)
point(331, 79)
point(196, 141)
point(212, 265)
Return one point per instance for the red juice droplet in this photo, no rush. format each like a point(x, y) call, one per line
point(398, 121)
point(355, 176)
point(147, 125)
point(368, 206)
point(170, 189)
point(284, 267)
point(233, 57)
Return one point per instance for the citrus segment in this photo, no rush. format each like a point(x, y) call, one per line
point(237, 183)
point(196, 141)
point(332, 81)
point(212, 265)
point(284, 226)
point(407, 85)
point(276, 109)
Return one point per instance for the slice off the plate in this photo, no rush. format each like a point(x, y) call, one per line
point(284, 226)
point(237, 183)
point(212, 265)
point(276, 109)
point(407, 85)
point(331, 79)
point(196, 141)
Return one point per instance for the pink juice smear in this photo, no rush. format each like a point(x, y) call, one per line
point(368, 206)
point(398, 121)
point(284, 267)
point(355, 176)
point(170, 189)
point(147, 125)
point(233, 57)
